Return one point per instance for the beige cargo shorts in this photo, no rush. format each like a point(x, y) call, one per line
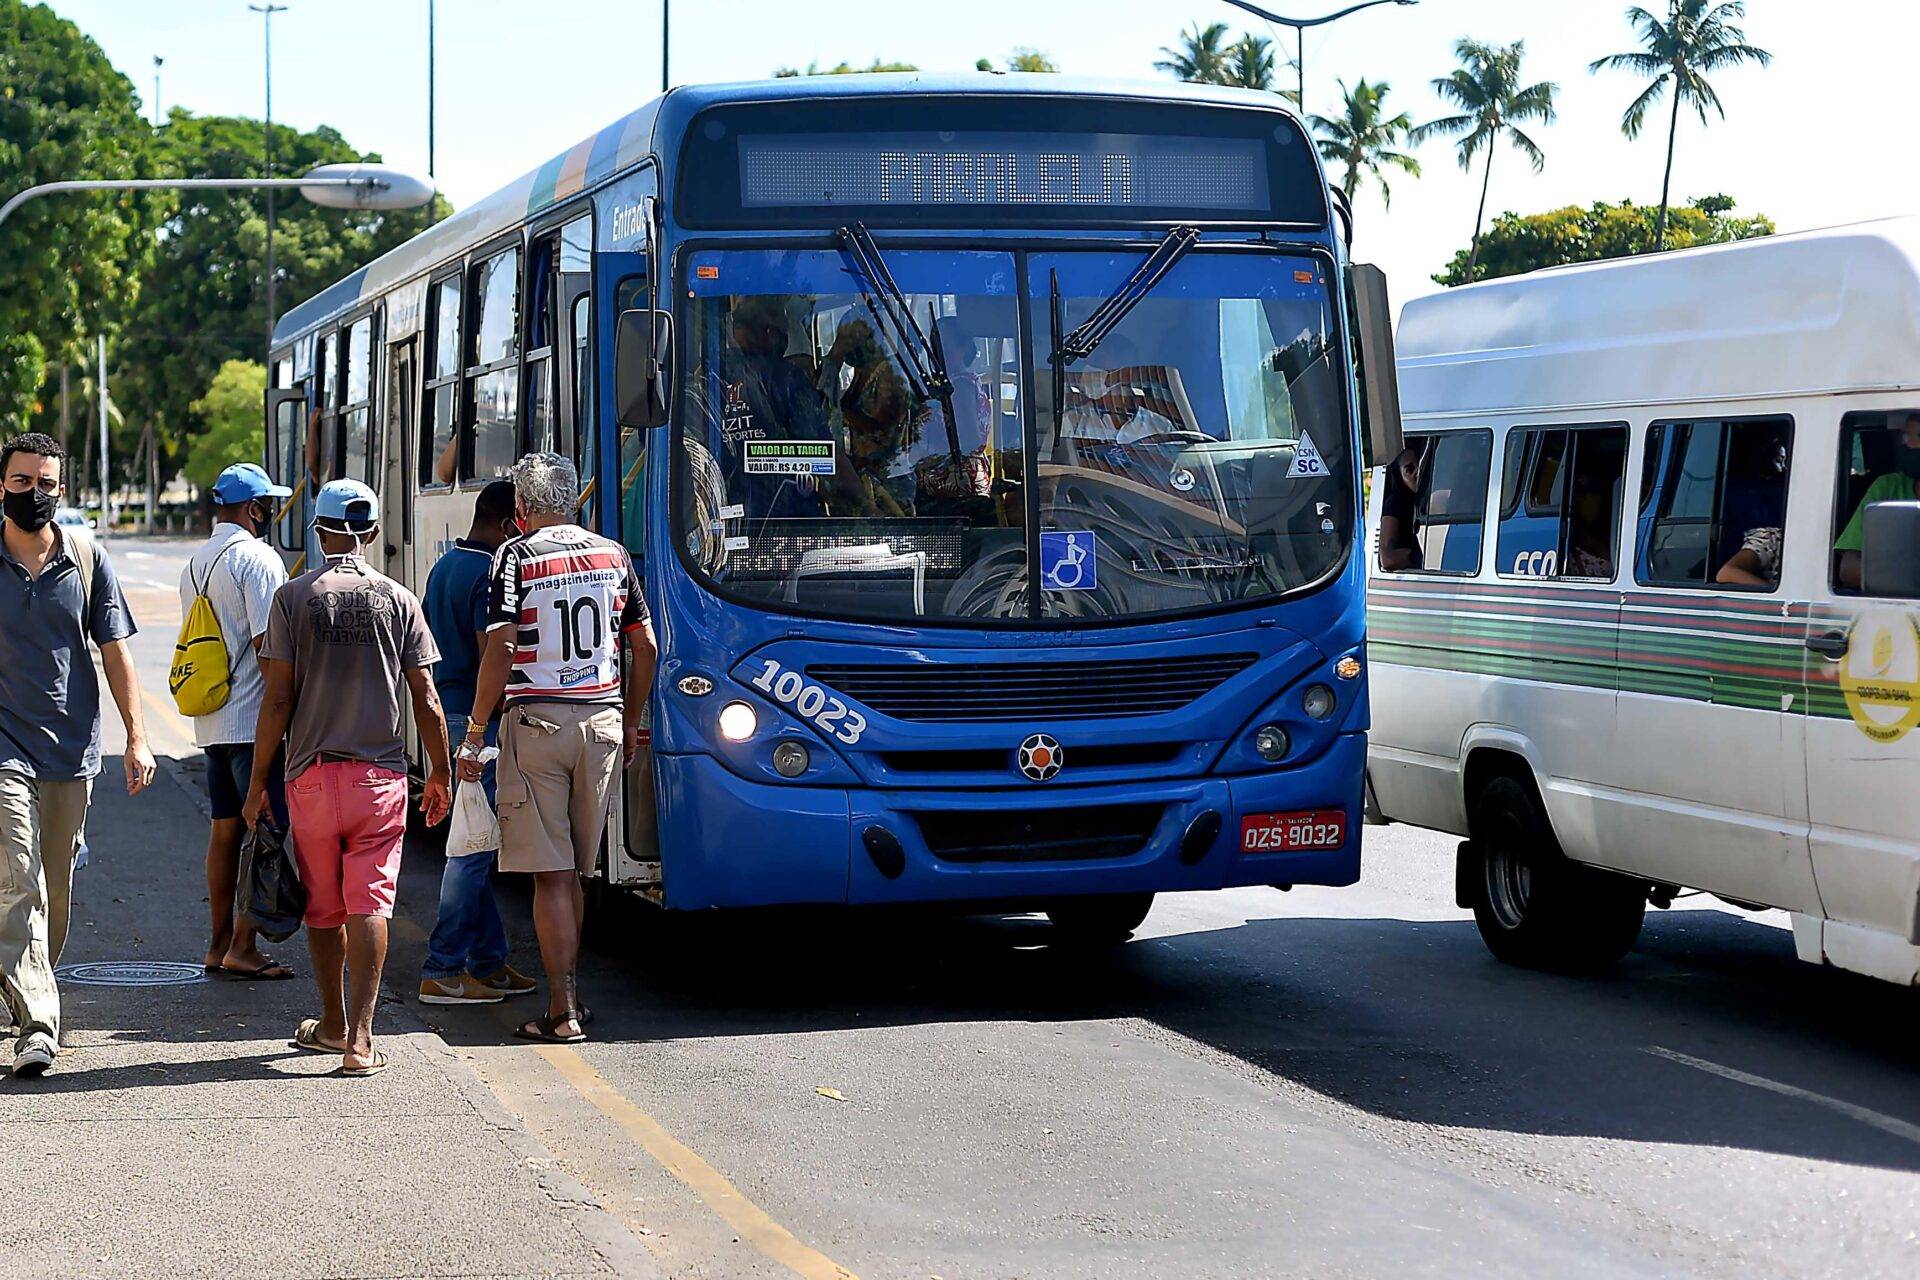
point(556, 774)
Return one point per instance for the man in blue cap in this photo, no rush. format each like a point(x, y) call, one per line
point(238, 573)
point(342, 643)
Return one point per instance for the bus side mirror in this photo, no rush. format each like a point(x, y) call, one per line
point(1379, 378)
point(1890, 550)
point(642, 359)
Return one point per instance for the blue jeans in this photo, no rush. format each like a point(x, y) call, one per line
point(469, 936)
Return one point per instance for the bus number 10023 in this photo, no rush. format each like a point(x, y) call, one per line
point(810, 702)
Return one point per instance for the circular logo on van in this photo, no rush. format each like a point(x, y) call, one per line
point(1880, 676)
point(1041, 757)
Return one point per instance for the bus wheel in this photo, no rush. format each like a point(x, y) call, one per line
point(1098, 920)
point(1533, 906)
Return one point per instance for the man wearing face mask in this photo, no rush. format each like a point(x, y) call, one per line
point(239, 573)
point(1900, 485)
point(58, 591)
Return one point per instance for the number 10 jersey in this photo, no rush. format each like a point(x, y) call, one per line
point(571, 596)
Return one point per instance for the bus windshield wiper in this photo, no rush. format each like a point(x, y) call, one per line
point(926, 363)
point(1119, 304)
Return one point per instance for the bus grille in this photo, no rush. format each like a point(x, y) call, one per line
point(959, 692)
point(1038, 835)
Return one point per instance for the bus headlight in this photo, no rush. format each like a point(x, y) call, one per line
point(737, 722)
point(1318, 702)
point(790, 759)
point(1271, 741)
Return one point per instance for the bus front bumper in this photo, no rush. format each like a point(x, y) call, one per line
point(729, 842)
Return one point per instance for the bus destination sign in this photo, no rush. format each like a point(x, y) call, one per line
point(999, 169)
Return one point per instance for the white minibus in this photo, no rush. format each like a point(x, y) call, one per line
point(1645, 595)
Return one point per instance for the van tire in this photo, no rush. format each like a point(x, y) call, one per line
point(1098, 920)
point(1534, 907)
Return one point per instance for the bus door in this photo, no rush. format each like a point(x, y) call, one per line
point(397, 441)
point(286, 463)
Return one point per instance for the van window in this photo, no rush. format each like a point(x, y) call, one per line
point(1879, 462)
point(1560, 502)
point(1433, 512)
point(1713, 503)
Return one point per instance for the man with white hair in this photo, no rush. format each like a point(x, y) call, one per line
point(561, 604)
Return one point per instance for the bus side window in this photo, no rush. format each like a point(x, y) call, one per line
point(438, 463)
point(359, 445)
point(492, 399)
point(323, 427)
point(536, 378)
point(629, 294)
point(1714, 513)
point(1560, 514)
point(1433, 515)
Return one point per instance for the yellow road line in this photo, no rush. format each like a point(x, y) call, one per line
point(740, 1213)
point(175, 722)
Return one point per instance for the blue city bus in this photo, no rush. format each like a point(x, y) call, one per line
point(991, 450)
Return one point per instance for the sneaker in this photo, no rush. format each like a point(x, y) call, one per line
point(509, 982)
point(33, 1055)
point(460, 989)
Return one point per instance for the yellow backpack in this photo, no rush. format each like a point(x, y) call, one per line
point(200, 680)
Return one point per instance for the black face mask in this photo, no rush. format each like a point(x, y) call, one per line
point(1907, 459)
point(29, 512)
point(262, 517)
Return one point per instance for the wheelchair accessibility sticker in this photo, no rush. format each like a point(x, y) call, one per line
point(1067, 561)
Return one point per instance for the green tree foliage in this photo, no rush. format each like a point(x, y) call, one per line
point(70, 262)
point(1698, 38)
point(1250, 63)
point(233, 430)
point(204, 302)
point(1031, 60)
point(1517, 243)
point(1201, 57)
point(844, 69)
point(1486, 90)
point(1363, 138)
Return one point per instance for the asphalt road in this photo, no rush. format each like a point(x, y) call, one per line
point(1319, 1083)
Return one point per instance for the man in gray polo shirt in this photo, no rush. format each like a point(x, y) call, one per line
point(57, 592)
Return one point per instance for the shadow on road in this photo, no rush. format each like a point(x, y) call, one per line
point(1409, 1020)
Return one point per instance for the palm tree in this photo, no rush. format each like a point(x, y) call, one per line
point(1486, 88)
point(1250, 63)
point(1201, 57)
point(1363, 138)
point(1698, 38)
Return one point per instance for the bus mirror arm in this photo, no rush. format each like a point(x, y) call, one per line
point(1379, 376)
point(642, 367)
point(1890, 550)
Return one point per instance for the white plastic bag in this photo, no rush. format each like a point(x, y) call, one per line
point(475, 827)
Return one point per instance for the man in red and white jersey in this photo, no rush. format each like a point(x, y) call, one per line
point(562, 604)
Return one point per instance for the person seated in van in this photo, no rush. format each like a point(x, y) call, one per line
point(1756, 563)
point(1902, 484)
point(1400, 549)
point(1590, 540)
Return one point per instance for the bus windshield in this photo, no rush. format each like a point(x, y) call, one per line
point(828, 460)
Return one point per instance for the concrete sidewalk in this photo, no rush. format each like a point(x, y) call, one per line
point(182, 1135)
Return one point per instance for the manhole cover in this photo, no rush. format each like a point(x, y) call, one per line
point(131, 973)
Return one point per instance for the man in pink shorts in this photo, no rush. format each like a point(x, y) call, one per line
point(341, 643)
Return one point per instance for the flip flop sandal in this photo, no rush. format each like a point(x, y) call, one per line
point(373, 1068)
point(543, 1030)
point(307, 1038)
point(271, 971)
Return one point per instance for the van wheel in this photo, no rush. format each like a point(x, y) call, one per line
point(1098, 920)
point(1533, 906)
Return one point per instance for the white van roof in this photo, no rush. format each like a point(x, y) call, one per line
point(1812, 313)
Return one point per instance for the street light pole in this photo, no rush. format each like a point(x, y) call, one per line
point(361, 186)
point(266, 12)
point(1300, 26)
point(665, 43)
point(430, 88)
point(158, 118)
point(100, 394)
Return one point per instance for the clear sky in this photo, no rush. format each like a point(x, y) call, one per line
point(521, 81)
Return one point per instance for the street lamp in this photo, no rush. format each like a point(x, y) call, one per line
point(1300, 26)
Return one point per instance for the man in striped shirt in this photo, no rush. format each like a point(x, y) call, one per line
point(562, 604)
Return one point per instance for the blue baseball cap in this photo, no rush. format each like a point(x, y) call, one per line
point(245, 481)
point(346, 506)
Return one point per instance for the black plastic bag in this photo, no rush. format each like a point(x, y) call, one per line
point(272, 899)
